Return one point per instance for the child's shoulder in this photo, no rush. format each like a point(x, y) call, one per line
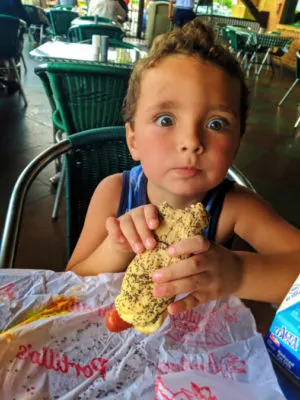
point(108, 191)
point(240, 200)
point(111, 183)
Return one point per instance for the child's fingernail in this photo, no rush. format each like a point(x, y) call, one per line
point(171, 251)
point(156, 276)
point(150, 243)
point(138, 248)
point(152, 223)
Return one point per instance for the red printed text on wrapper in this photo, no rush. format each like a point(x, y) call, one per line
point(51, 360)
point(7, 290)
point(196, 392)
point(226, 366)
point(202, 329)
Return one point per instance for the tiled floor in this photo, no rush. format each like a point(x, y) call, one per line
point(269, 156)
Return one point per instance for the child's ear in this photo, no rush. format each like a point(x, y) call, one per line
point(131, 141)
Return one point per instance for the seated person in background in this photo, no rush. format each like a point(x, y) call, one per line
point(183, 13)
point(107, 8)
point(185, 114)
point(14, 8)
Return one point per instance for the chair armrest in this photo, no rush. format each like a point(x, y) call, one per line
point(11, 230)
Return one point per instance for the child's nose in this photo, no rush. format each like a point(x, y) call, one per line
point(191, 141)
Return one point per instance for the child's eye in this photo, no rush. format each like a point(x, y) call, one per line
point(165, 121)
point(218, 124)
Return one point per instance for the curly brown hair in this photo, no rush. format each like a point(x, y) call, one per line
point(194, 39)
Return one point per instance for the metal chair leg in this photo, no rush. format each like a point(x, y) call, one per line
point(288, 92)
point(19, 81)
point(41, 33)
point(251, 61)
point(297, 123)
point(59, 191)
point(263, 61)
point(24, 63)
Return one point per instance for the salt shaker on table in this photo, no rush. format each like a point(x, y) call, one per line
point(96, 47)
point(104, 48)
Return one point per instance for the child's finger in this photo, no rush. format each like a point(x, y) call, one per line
point(128, 229)
point(114, 231)
point(182, 269)
point(188, 303)
point(151, 216)
point(194, 245)
point(186, 285)
point(145, 234)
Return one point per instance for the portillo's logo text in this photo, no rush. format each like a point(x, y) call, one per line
point(51, 360)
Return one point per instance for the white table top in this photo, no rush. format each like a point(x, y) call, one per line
point(79, 21)
point(63, 51)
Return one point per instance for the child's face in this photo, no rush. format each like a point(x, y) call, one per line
point(186, 128)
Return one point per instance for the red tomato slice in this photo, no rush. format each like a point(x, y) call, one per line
point(114, 322)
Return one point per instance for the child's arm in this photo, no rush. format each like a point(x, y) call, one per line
point(268, 274)
point(215, 271)
point(107, 243)
point(93, 253)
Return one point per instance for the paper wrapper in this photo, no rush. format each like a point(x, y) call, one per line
point(63, 350)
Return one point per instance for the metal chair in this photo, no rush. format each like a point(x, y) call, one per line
point(295, 82)
point(11, 37)
point(79, 33)
point(83, 97)
point(61, 21)
point(38, 21)
point(90, 156)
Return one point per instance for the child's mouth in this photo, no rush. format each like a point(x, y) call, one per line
point(186, 172)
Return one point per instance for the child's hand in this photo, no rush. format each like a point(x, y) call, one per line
point(213, 271)
point(132, 232)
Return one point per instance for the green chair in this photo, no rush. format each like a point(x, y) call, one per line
point(224, 35)
point(11, 36)
point(90, 156)
point(82, 97)
point(234, 42)
point(38, 22)
point(60, 21)
point(78, 33)
point(86, 96)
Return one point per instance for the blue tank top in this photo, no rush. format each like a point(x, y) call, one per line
point(134, 194)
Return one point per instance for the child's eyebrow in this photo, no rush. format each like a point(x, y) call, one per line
point(227, 109)
point(163, 105)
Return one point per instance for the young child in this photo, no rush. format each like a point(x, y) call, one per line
point(185, 114)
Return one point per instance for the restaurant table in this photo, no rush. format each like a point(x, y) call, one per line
point(83, 53)
point(80, 21)
point(55, 344)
